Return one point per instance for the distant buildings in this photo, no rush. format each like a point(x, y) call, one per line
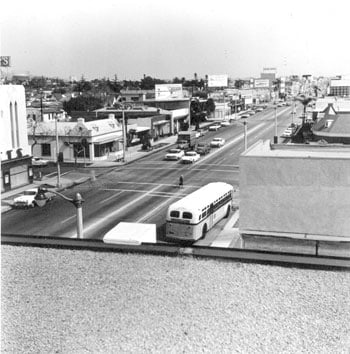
point(340, 88)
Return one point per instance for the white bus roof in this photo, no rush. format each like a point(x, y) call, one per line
point(202, 197)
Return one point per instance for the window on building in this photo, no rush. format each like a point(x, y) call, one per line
point(12, 127)
point(17, 125)
point(45, 150)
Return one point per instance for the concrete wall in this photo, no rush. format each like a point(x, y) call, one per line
point(13, 136)
point(294, 196)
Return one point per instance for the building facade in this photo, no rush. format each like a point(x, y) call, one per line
point(16, 166)
point(78, 142)
point(295, 191)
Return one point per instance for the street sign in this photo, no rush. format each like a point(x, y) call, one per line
point(5, 61)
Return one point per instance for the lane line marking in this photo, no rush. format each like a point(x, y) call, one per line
point(68, 219)
point(111, 197)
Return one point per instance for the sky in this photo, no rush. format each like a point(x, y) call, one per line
point(167, 39)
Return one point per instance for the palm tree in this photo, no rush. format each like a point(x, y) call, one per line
point(305, 101)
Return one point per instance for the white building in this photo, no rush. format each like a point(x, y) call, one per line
point(16, 169)
point(79, 142)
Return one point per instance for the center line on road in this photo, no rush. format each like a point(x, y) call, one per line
point(68, 219)
point(111, 197)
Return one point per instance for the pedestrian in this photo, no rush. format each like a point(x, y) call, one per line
point(181, 181)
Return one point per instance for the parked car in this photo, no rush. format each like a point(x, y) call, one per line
point(287, 133)
point(217, 142)
point(259, 109)
point(215, 127)
point(250, 112)
point(38, 161)
point(174, 154)
point(203, 148)
point(245, 115)
point(225, 123)
point(27, 198)
point(190, 157)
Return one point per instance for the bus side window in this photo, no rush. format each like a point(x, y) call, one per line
point(174, 214)
point(204, 214)
point(186, 215)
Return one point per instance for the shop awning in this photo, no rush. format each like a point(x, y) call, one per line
point(159, 122)
point(142, 129)
point(106, 139)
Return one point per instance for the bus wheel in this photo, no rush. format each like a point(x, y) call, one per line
point(204, 231)
point(228, 212)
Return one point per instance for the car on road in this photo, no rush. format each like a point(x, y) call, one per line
point(245, 115)
point(225, 123)
point(174, 154)
point(190, 157)
point(27, 198)
point(215, 127)
point(217, 142)
point(203, 148)
point(38, 161)
point(250, 112)
point(259, 109)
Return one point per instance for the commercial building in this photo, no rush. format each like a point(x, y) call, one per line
point(340, 88)
point(79, 142)
point(295, 191)
point(16, 169)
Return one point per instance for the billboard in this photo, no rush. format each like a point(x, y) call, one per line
point(217, 80)
point(261, 83)
point(4, 61)
point(168, 91)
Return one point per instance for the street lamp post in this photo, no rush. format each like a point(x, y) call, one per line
point(275, 138)
point(245, 123)
point(41, 200)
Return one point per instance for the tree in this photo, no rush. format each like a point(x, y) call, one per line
point(239, 83)
point(210, 106)
point(82, 103)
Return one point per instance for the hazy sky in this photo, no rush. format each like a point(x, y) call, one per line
point(164, 39)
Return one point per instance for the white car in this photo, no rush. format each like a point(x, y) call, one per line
point(190, 157)
point(245, 115)
point(259, 109)
point(174, 154)
point(38, 161)
point(287, 133)
point(27, 198)
point(215, 127)
point(225, 123)
point(217, 142)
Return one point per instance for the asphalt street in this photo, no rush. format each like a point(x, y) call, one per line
point(141, 191)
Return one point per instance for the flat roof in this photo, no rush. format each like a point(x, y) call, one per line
point(264, 148)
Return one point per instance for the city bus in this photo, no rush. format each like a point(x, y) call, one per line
point(193, 216)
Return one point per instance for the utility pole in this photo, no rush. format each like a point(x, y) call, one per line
point(57, 156)
point(124, 134)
